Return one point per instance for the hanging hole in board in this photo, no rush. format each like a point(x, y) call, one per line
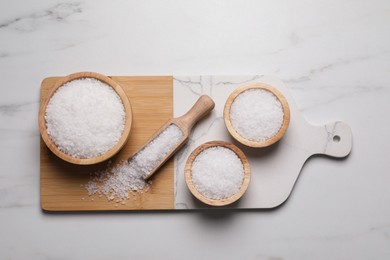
point(336, 138)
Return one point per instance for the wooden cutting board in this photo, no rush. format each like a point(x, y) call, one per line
point(62, 183)
point(154, 100)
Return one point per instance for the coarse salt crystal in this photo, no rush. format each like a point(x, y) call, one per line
point(217, 172)
point(128, 176)
point(256, 114)
point(85, 118)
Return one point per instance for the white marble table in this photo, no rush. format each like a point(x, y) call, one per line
point(334, 56)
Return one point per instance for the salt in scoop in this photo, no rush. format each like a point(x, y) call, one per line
point(169, 138)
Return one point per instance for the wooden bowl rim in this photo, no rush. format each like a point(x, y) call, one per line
point(126, 131)
point(225, 201)
point(241, 139)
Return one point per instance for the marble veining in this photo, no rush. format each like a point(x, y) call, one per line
point(333, 56)
point(240, 82)
point(382, 231)
point(33, 21)
point(195, 86)
point(341, 62)
point(332, 94)
point(263, 177)
point(15, 117)
point(330, 133)
point(12, 109)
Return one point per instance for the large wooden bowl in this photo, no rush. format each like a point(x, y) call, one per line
point(224, 201)
point(85, 161)
point(245, 141)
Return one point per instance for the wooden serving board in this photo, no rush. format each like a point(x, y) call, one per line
point(154, 100)
point(62, 183)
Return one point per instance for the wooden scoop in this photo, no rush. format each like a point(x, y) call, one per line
point(202, 107)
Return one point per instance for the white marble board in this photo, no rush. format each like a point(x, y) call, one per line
point(274, 169)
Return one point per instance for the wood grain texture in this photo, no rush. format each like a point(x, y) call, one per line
point(62, 183)
point(218, 202)
point(245, 141)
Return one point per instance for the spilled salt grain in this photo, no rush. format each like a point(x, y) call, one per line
point(217, 172)
point(85, 118)
point(256, 114)
point(118, 181)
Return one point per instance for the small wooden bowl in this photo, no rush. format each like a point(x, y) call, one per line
point(251, 143)
point(200, 196)
point(86, 161)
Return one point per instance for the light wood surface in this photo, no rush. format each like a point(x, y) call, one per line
point(53, 147)
point(203, 198)
point(62, 183)
point(201, 108)
point(245, 141)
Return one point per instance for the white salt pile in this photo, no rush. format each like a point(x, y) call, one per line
point(256, 114)
point(85, 118)
point(217, 172)
point(129, 175)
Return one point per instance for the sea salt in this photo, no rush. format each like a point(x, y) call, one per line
point(85, 118)
point(256, 114)
point(128, 176)
point(217, 172)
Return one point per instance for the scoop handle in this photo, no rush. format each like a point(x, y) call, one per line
point(201, 108)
